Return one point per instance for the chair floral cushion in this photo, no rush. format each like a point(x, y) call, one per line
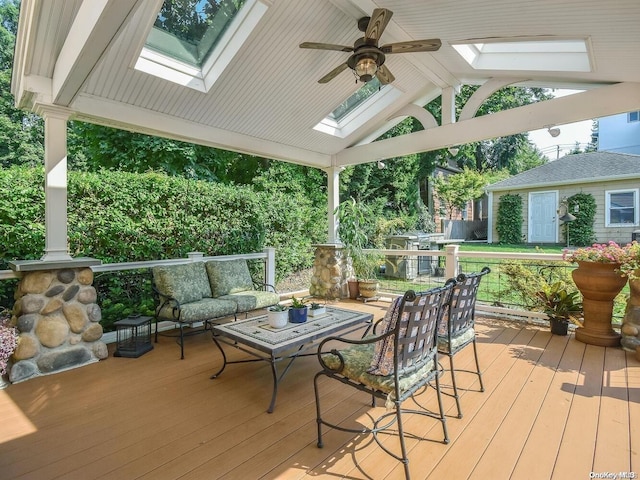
point(357, 360)
point(186, 282)
point(228, 276)
point(457, 341)
point(199, 311)
point(252, 300)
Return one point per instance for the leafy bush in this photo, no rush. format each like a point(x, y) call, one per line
point(124, 217)
point(509, 222)
point(583, 207)
point(528, 277)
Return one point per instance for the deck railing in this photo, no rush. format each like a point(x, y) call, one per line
point(410, 269)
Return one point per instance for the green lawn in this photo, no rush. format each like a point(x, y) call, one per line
point(524, 248)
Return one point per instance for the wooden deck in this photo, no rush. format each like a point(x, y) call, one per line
point(553, 408)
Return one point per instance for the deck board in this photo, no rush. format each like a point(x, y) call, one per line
point(553, 408)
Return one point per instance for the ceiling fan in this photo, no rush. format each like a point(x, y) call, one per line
point(368, 59)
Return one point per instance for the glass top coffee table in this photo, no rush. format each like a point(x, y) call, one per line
point(264, 343)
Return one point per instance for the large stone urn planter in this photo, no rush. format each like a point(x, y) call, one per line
point(599, 283)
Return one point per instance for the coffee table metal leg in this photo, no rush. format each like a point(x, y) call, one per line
point(276, 380)
point(224, 357)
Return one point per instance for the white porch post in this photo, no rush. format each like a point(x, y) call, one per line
point(333, 200)
point(55, 183)
point(448, 106)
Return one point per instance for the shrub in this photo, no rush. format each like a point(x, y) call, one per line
point(583, 207)
point(124, 217)
point(509, 221)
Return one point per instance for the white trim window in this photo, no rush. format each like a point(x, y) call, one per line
point(621, 209)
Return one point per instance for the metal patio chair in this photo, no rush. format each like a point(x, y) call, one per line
point(457, 328)
point(392, 365)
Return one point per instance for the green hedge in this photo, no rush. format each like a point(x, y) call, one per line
point(124, 217)
point(509, 221)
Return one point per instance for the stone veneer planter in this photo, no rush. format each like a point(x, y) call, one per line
point(58, 321)
point(331, 269)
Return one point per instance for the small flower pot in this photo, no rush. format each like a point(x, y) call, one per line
point(298, 315)
point(278, 319)
point(316, 312)
point(559, 327)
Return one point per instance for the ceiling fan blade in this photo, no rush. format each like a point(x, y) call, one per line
point(326, 46)
point(384, 75)
point(430, 45)
point(378, 22)
point(333, 73)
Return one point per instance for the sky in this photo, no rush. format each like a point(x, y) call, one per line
point(570, 133)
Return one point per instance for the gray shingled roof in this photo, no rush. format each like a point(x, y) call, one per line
point(578, 168)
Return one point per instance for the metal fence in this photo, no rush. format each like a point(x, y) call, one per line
point(400, 270)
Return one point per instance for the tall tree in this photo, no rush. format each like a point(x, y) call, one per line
point(21, 133)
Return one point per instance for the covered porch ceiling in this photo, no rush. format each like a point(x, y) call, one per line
point(265, 99)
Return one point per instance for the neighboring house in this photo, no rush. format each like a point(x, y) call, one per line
point(620, 133)
point(612, 178)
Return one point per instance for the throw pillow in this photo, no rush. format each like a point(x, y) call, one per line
point(229, 276)
point(382, 359)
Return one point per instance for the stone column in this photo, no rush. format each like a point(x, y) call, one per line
point(331, 270)
point(57, 319)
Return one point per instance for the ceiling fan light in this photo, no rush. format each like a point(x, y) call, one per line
point(366, 66)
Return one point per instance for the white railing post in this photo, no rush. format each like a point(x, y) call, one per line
point(451, 260)
point(270, 266)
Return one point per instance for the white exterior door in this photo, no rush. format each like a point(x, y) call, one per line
point(543, 218)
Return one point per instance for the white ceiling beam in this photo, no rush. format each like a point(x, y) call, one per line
point(94, 28)
point(600, 102)
point(104, 112)
point(24, 46)
point(481, 94)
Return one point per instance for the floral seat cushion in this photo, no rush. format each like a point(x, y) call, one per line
point(204, 309)
point(252, 300)
point(457, 341)
point(357, 361)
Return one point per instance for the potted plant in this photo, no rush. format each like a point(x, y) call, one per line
point(8, 343)
point(599, 279)
point(366, 266)
point(298, 311)
point(561, 306)
point(278, 315)
point(352, 217)
point(316, 309)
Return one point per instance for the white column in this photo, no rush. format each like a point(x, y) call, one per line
point(55, 183)
point(333, 200)
point(448, 106)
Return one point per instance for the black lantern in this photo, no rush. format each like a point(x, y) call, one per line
point(133, 336)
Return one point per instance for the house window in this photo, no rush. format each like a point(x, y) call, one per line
point(621, 208)
point(633, 117)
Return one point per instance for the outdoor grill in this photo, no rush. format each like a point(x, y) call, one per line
point(409, 267)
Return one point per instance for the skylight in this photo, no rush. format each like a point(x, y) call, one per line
point(366, 91)
point(192, 42)
point(188, 32)
point(368, 101)
point(537, 54)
